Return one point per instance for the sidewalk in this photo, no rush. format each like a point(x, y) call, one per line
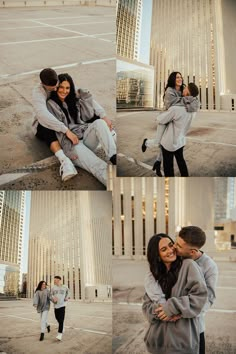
point(210, 149)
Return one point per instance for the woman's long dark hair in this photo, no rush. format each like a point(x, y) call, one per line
point(70, 99)
point(171, 81)
point(165, 278)
point(40, 285)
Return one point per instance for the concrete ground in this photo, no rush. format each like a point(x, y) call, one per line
point(88, 329)
point(210, 149)
point(79, 40)
point(129, 325)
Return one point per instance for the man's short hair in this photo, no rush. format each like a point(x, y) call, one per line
point(57, 277)
point(193, 236)
point(48, 77)
point(193, 89)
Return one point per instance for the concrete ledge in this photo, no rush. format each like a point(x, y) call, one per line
point(31, 3)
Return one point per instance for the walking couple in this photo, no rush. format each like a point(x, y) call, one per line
point(180, 288)
point(59, 295)
point(72, 124)
point(181, 103)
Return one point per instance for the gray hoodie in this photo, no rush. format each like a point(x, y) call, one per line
point(62, 293)
point(188, 297)
point(210, 272)
point(42, 300)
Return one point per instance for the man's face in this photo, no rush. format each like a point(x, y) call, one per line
point(51, 88)
point(183, 249)
point(56, 281)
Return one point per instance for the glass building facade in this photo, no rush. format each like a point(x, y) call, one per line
point(12, 208)
point(134, 85)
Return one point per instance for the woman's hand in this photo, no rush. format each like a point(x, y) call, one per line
point(74, 138)
point(108, 121)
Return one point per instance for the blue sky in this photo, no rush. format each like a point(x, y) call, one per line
point(146, 31)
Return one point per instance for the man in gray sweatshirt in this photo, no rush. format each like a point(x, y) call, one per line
point(60, 296)
point(188, 244)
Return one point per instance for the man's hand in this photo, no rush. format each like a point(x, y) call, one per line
point(175, 318)
point(72, 137)
point(108, 121)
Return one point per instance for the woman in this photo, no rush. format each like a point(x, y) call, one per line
point(42, 303)
point(173, 89)
point(176, 330)
point(68, 108)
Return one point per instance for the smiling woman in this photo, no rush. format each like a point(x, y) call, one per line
point(174, 325)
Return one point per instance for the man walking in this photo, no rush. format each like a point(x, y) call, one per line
point(60, 294)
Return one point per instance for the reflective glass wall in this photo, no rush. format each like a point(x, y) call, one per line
point(134, 85)
point(9, 280)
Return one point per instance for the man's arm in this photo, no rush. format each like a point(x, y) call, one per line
point(45, 118)
point(211, 277)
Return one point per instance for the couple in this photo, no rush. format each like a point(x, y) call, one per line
point(180, 288)
point(181, 103)
point(59, 295)
point(72, 124)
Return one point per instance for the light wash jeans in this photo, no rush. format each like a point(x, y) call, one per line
point(44, 319)
point(97, 133)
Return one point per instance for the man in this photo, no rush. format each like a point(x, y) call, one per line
point(188, 244)
point(60, 295)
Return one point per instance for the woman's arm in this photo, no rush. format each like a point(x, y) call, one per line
point(192, 303)
point(36, 299)
point(171, 98)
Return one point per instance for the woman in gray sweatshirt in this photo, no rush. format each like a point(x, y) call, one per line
point(174, 325)
point(41, 301)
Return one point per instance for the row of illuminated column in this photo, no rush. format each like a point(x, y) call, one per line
point(184, 39)
point(139, 210)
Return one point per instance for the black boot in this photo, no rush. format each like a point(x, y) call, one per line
point(48, 328)
point(41, 337)
point(157, 168)
point(113, 160)
point(144, 148)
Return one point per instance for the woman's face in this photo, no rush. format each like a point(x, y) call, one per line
point(63, 90)
point(166, 250)
point(43, 286)
point(178, 80)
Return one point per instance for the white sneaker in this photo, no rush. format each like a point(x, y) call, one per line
point(59, 336)
point(67, 170)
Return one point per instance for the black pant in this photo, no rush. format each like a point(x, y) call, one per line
point(168, 162)
point(60, 316)
point(202, 344)
point(45, 134)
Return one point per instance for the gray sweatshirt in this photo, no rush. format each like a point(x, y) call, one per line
point(173, 127)
point(210, 272)
point(48, 120)
point(188, 297)
point(42, 300)
point(62, 293)
point(175, 98)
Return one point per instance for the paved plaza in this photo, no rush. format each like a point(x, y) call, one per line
point(210, 149)
point(79, 40)
point(129, 325)
point(88, 329)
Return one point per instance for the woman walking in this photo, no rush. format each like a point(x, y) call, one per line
point(42, 303)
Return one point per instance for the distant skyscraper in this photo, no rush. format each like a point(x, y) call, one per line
point(128, 28)
point(195, 38)
point(12, 206)
point(225, 197)
point(70, 236)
